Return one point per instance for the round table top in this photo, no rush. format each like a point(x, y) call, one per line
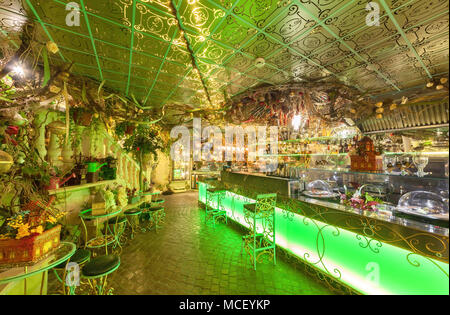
point(64, 251)
point(87, 214)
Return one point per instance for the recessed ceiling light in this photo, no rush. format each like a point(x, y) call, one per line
point(259, 62)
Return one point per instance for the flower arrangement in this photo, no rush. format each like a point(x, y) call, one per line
point(21, 225)
point(29, 235)
point(365, 202)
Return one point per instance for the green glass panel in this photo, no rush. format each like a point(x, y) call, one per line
point(365, 264)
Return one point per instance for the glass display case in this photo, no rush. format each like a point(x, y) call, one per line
point(319, 189)
point(425, 204)
point(387, 187)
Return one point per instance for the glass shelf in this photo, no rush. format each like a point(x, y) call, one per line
point(307, 154)
point(378, 173)
point(431, 153)
point(323, 138)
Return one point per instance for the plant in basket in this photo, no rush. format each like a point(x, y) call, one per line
point(29, 234)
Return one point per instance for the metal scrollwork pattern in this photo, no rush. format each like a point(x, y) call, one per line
point(300, 40)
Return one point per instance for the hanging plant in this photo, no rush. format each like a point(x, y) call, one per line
point(124, 129)
point(146, 139)
point(82, 117)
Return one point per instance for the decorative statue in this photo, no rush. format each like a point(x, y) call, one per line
point(110, 202)
point(122, 197)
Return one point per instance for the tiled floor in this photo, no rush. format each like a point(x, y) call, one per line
point(188, 257)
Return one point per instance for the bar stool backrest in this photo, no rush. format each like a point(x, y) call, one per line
point(266, 203)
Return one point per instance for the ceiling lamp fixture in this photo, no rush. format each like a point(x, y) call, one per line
point(18, 70)
point(260, 62)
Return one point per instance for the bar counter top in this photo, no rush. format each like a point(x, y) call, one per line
point(385, 226)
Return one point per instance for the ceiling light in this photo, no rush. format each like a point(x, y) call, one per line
point(18, 70)
point(259, 62)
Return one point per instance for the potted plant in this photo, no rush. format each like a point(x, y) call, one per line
point(82, 116)
point(108, 172)
point(29, 235)
point(145, 140)
point(124, 129)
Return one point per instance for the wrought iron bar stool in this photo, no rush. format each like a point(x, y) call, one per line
point(97, 270)
point(80, 257)
point(260, 217)
point(132, 217)
point(213, 207)
point(152, 215)
point(117, 226)
point(104, 238)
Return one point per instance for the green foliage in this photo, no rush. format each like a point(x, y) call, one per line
point(145, 139)
point(120, 129)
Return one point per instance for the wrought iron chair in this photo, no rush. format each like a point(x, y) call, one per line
point(132, 217)
point(260, 217)
point(97, 269)
point(213, 207)
point(80, 257)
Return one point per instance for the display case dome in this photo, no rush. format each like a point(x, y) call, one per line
point(424, 203)
point(319, 188)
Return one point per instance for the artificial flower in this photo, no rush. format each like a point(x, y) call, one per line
point(52, 47)
point(23, 231)
point(38, 230)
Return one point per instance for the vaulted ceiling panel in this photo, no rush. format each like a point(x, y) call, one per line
point(153, 48)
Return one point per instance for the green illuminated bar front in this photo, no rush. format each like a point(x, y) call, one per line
point(367, 265)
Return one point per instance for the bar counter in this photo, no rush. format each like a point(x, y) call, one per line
point(367, 252)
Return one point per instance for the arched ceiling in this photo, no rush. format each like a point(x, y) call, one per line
point(153, 48)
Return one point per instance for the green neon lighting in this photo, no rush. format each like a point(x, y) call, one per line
point(92, 39)
point(376, 269)
point(43, 26)
point(405, 38)
point(325, 27)
point(131, 47)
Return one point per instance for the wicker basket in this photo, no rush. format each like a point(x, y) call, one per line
point(29, 249)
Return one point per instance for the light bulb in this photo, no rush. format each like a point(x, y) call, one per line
point(18, 69)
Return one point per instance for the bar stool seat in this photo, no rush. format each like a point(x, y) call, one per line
point(119, 220)
point(133, 212)
point(97, 271)
point(80, 256)
point(101, 266)
point(155, 208)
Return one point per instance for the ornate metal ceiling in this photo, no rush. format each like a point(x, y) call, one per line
point(152, 48)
